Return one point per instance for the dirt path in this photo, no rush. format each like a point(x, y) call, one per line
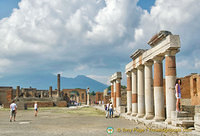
point(69, 122)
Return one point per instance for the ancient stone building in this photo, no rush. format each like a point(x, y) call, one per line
point(145, 93)
point(75, 95)
point(99, 97)
point(6, 95)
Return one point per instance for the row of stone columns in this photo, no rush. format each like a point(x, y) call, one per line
point(116, 90)
point(148, 97)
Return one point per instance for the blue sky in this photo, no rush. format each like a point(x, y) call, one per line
point(92, 38)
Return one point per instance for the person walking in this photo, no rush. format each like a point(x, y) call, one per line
point(36, 108)
point(178, 93)
point(111, 110)
point(13, 110)
point(107, 110)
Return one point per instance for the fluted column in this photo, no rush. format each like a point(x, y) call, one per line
point(141, 108)
point(112, 92)
point(134, 93)
point(148, 91)
point(170, 79)
point(158, 89)
point(129, 106)
point(118, 93)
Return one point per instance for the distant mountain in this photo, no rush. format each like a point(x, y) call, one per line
point(43, 81)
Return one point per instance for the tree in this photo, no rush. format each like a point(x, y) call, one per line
point(93, 93)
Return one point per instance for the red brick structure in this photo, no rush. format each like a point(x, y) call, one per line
point(6, 95)
point(99, 97)
point(77, 95)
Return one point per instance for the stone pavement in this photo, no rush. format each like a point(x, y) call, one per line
point(85, 121)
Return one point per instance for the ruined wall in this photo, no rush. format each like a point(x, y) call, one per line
point(6, 95)
point(195, 89)
point(98, 97)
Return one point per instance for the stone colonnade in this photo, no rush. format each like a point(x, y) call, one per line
point(115, 81)
point(147, 99)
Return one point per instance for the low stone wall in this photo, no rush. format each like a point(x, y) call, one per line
point(61, 104)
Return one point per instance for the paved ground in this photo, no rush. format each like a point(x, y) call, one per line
point(70, 122)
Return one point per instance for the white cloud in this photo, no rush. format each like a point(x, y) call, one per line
point(94, 37)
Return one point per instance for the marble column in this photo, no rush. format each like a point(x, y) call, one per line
point(114, 101)
point(42, 94)
point(141, 108)
point(134, 93)
point(170, 79)
point(118, 93)
point(50, 91)
point(148, 91)
point(112, 92)
point(88, 96)
point(129, 106)
point(17, 91)
point(58, 85)
point(158, 89)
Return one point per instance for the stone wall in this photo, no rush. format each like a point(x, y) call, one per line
point(6, 95)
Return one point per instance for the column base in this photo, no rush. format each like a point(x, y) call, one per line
point(128, 113)
point(140, 115)
point(134, 114)
point(157, 119)
point(168, 121)
point(148, 116)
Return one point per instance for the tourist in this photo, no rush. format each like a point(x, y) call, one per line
point(107, 110)
point(178, 93)
point(36, 108)
point(111, 110)
point(13, 110)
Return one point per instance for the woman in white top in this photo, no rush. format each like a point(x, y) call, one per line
point(36, 108)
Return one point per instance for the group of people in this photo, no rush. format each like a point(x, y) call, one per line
point(109, 110)
point(13, 110)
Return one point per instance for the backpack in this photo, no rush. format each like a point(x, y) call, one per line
point(106, 107)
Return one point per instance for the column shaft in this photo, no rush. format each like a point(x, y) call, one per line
point(170, 79)
point(148, 91)
point(134, 93)
point(118, 93)
point(17, 91)
point(114, 101)
point(129, 103)
point(158, 90)
point(141, 108)
point(50, 91)
point(58, 85)
point(112, 93)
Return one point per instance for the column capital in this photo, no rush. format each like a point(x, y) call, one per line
point(171, 52)
point(128, 74)
point(134, 70)
point(118, 80)
point(148, 63)
point(140, 67)
point(158, 59)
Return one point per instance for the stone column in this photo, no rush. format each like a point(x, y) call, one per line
point(170, 79)
point(114, 101)
point(148, 91)
point(17, 91)
point(141, 108)
point(88, 96)
point(118, 93)
point(158, 89)
point(112, 92)
point(50, 91)
point(129, 106)
point(42, 94)
point(58, 85)
point(134, 93)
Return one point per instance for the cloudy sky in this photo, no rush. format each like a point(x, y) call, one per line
point(92, 37)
